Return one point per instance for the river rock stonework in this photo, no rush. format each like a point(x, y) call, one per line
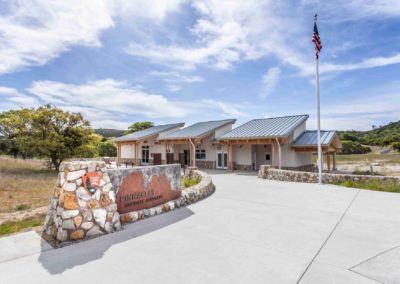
point(75, 212)
point(268, 172)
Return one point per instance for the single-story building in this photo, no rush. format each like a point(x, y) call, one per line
point(274, 141)
point(142, 147)
point(193, 145)
point(282, 142)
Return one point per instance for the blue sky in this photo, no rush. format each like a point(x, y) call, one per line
point(118, 62)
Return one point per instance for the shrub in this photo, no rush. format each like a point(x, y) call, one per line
point(351, 147)
point(188, 181)
point(374, 184)
point(396, 146)
point(107, 149)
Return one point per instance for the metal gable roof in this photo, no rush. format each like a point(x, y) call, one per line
point(197, 130)
point(138, 135)
point(310, 138)
point(267, 127)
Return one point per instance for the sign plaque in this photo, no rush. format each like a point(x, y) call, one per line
point(135, 193)
point(91, 181)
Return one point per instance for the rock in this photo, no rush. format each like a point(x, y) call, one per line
point(117, 226)
point(126, 218)
point(87, 225)
point(62, 235)
point(107, 187)
point(87, 215)
point(77, 221)
point(95, 231)
point(91, 166)
point(68, 225)
point(171, 205)
point(106, 178)
point(158, 210)
point(79, 182)
point(58, 191)
point(93, 204)
point(115, 218)
point(70, 201)
point(61, 178)
point(53, 202)
point(99, 216)
point(111, 195)
point(109, 216)
point(81, 203)
point(104, 200)
point(97, 194)
point(78, 234)
point(69, 186)
point(66, 214)
point(71, 176)
point(109, 227)
point(83, 194)
point(112, 207)
point(59, 210)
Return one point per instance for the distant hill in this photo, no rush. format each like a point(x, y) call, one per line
point(107, 132)
point(381, 136)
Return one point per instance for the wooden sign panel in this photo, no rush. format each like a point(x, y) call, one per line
point(134, 194)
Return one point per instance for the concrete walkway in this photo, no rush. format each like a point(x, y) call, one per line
point(249, 231)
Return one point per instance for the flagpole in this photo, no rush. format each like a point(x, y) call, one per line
point(319, 127)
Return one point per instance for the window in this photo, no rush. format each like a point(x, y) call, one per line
point(268, 157)
point(200, 154)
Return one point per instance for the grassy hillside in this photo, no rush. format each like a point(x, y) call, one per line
point(381, 136)
point(107, 133)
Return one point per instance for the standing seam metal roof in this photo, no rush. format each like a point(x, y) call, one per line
point(147, 132)
point(310, 138)
point(267, 127)
point(198, 129)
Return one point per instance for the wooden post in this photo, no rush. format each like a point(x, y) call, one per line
point(334, 161)
point(273, 154)
point(230, 158)
point(328, 161)
point(137, 154)
point(119, 154)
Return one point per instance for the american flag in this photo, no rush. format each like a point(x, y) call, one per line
point(315, 39)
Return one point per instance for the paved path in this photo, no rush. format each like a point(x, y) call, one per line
point(249, 231)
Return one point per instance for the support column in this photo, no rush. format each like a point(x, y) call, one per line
point(273, 154)
point(230, 158)
point(119, 154)
point(137, 160)
point(192, 153)
point(334, 161)
point(328, 161)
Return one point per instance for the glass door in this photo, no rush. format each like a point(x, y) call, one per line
point(222, 160)
point(145, 155)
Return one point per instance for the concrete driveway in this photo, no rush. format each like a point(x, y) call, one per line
point(249, 231)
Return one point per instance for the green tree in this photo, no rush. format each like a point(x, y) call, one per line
point(137, 126)
point(107, 149)
point(47, 132)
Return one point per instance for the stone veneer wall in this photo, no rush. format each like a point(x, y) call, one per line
point(205, 164)
point(189, 195)
point(268, 172)
point(74, 213)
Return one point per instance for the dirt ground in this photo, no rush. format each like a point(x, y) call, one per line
point(384, 164)
point(24, 184)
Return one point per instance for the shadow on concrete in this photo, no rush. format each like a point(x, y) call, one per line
point(58, 260)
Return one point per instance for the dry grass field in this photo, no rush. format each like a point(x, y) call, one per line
point(24, 184)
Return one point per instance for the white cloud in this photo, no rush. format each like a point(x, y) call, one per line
point(34, 32)
point(227, 32)
point(175, 80)
point(228, 109)
point(269, 81)
point(108, 96)
point(15, 99)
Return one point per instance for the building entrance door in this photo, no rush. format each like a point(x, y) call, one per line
point(145, 155)
point(222, 160)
